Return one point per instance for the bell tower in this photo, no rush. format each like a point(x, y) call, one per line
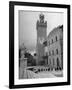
point(41, 27)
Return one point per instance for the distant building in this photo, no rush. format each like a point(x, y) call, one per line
point(55, 48)
point(30, 59)
point(23, 53)
point(41, 27)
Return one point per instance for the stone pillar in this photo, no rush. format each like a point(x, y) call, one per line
point(22, 69)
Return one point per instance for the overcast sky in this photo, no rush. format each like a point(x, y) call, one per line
point(27, 26)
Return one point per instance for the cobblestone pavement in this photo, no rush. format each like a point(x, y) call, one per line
point(44, 74)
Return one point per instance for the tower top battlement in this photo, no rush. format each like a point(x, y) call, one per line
point(41, 17)
point(41, 22)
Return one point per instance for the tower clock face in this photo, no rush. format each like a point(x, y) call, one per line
point(40, 40)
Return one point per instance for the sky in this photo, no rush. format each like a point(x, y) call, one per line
point(27, 26)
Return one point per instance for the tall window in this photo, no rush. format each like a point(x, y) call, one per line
point(58, 63)
point(56, 38)
point(52, 40)
point(56, 51)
